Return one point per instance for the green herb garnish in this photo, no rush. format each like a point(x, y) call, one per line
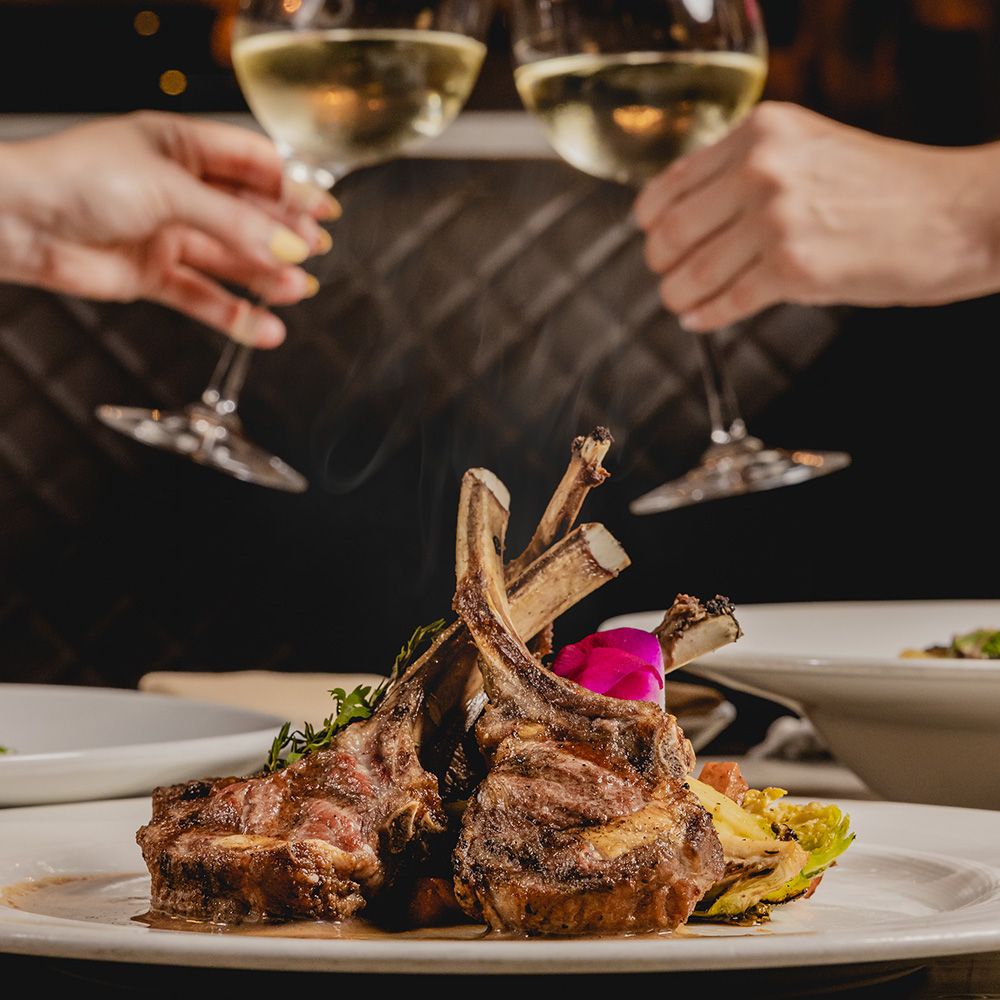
point(423, 635)
point(289, 746)
point(4, 750)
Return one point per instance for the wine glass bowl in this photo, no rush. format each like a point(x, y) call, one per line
point(337, 85)
point(623, 88)
point(356, 83)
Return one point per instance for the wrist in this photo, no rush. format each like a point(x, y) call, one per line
point(974, 203)
point(21, 228)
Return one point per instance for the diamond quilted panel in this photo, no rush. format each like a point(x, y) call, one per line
point(470, 313)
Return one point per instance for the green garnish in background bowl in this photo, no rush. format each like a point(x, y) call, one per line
point(979, 644)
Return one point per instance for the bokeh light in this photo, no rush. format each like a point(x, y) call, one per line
point(173, 82)
point(146, 23)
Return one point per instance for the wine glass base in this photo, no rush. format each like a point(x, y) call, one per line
point(735, 469)
point(207, 437)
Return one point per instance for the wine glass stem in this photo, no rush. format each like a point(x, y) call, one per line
point(222, 393)
point(724, 414)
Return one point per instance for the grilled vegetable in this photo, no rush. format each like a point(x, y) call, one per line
point(775, 851)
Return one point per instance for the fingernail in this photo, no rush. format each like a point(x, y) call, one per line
point(693, 322)
point(312, 286)
point(288, 247)
point(331, 207)
point(324, 242)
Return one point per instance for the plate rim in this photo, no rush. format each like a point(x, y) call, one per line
point(975, 929)
point(268, 722)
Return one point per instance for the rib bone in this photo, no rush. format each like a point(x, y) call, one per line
point(455, 756)
point(582, 475)
point(691, 629)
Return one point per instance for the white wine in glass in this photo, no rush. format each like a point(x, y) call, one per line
point(623, 116)
point(623, 88)
point(345, 96)
point(337, 84)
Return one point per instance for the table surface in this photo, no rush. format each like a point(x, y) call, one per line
point(962, 977)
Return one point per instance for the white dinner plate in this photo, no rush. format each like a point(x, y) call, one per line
point(920, 881)
point(69, 744)
point(919, 730)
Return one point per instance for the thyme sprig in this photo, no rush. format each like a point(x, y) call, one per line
point(292, 745)
point(423, 635)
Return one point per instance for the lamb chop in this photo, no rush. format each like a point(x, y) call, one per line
point(584, 823)
point(330, 833)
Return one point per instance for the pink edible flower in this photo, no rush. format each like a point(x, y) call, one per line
point(621, 663)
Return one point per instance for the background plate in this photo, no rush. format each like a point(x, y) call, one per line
point(75, 743)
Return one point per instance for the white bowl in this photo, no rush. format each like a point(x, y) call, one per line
point(915, 730)
point(69, 744)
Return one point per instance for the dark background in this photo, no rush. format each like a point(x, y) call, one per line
point(115, 559)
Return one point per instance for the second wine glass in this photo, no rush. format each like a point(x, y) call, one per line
point(337, 84)
point(622, 89)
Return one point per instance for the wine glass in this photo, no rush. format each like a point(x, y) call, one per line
point(623, 88)
point(337, 84)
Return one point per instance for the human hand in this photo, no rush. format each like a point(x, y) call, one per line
point(162, 207)
point(793, 207)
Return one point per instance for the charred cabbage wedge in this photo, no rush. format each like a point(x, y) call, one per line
point(774, 850)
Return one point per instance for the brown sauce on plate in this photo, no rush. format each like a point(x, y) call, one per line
point(123, 899)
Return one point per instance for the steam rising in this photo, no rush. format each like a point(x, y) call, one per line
point(485, 327)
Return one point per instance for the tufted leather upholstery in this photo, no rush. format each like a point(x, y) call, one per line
point(470, 313)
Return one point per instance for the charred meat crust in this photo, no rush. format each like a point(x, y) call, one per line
point(255, 881)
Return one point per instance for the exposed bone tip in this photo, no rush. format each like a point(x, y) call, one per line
point(720, 605)
point(598, 437)
point(493, 484)
point(605, 548)
point(692, 628)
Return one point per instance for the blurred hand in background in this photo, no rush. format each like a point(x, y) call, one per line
point(794, 207)
point(162, 207)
